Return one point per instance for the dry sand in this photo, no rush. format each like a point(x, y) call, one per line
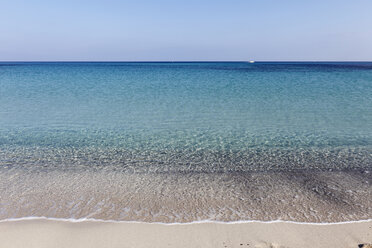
point(40, 233)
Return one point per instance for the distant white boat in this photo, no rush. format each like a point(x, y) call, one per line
point(251, 61)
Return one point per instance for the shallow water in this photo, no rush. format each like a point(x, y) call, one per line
point(180, 142)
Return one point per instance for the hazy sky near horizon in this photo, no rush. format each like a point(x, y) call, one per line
point(185, 30)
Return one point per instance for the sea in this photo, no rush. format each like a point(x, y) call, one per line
point(179, 142)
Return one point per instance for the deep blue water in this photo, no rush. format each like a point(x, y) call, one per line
point(225, 116)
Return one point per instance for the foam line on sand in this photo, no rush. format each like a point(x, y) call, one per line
point(40, 233)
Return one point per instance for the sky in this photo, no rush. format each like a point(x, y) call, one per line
point(192, 30)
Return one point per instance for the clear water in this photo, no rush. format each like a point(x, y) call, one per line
point(174, 120)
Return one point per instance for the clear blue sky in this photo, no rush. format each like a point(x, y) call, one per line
point(185, 30)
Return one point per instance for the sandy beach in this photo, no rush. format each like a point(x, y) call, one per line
point(185, 124)
point(42, 233)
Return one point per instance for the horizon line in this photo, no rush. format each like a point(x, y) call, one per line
point(181, 61)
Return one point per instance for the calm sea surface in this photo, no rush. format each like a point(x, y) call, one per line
point(179, 142)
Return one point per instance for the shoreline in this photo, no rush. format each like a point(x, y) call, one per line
point(43, 232)
point(80, 220)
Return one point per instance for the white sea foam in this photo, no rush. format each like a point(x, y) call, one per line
point(177, 223)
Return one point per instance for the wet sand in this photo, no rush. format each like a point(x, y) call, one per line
point(40, 233)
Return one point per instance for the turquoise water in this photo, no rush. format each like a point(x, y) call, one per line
point(181, 142)
point(228, 114)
